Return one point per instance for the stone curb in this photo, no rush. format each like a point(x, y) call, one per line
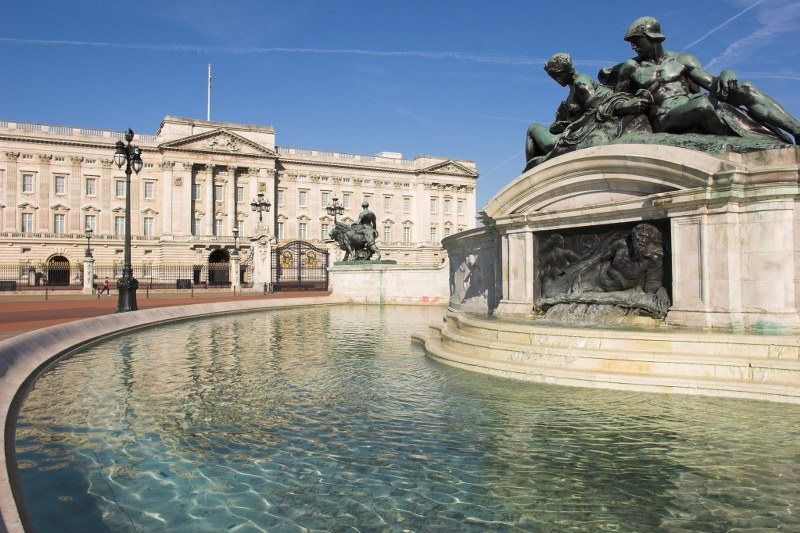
point(23, 356)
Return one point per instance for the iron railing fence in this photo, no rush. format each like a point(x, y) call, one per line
point(33, 275)
point(169, 275)
point(30, 275)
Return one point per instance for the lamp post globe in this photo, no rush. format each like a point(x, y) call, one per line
point(88, 232)
point(130, 157)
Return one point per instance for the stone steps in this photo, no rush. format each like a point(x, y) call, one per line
point(564, 361)
point(629, 361)
point(679, 341)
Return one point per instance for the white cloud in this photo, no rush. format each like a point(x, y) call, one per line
point(500, 59)
point(775, 19)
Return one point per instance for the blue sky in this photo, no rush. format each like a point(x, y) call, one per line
point(458, 79)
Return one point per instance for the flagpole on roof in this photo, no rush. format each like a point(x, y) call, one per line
point(208, 99)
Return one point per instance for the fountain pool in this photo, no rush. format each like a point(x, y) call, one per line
point(330, 418)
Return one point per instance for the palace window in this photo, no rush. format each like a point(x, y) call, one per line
point(302, 198)
point(302, 230)
point(240, 227)
point(433, 234)
point(27, 222)
point(195, 191)
point(91, 186)
point(387, 203)
point(217, 227)
point(119, 226)
point(387, 233)
point(325, 198)
point(27, 183)
point(90, 222)
point(447, 204)
point(323, 232)
point(406, 235)
point(196, 225)
point(280, 196)
point(119, 188)
point(433, 205)
point(148, 227)
point(59, 223)
point(367, 198)
point(60, 185)
point(447, 231)
point(239, 195)
point(406, 204)
point(218, 192)
point(280, 230)
point(460, 207)
point(149, 187)
point(346, 200)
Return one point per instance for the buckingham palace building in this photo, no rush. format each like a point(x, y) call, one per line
point(197, 183)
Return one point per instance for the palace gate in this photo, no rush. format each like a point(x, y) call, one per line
point(299, 266)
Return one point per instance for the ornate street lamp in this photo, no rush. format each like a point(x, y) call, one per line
point(235, 241)
point(130, 156)
point(88, 232)
point(335, 209)
point(260, 206)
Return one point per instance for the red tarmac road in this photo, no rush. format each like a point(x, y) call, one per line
point(21, 315)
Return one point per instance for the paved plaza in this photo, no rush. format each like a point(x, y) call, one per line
point(19, 314)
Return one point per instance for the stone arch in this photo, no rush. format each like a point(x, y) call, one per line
point(57, 270)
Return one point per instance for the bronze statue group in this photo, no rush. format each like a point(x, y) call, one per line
point(656, 92)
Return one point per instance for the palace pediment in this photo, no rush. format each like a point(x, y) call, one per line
point(219, 141)
point(451, 168)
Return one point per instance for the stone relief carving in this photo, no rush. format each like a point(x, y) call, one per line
point(469, 281)
point(617, 269)
point(223, 143)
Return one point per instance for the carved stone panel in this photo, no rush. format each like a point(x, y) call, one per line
point(621, 269)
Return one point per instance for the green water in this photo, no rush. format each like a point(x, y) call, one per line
point(331, 419)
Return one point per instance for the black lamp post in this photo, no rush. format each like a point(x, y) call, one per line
point(235, 241)
point(88, 232)
point(130, 156)
point(335, 209)
point(260, 206)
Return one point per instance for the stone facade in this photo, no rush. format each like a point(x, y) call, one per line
point(198, 180)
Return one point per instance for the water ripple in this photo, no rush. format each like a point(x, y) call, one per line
point(330, 419)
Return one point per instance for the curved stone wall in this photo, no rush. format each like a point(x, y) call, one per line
point(22, 357)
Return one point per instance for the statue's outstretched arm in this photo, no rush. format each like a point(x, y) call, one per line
point(695, 71)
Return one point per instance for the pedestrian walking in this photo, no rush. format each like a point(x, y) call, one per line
point(105, 287)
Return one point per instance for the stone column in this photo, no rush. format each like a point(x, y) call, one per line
point(11, 200)
point(166, 199)
point(261, 246)
point(234, 273)
point(182, 199)
point(208, 200)
point(104, 187)
point(518, 270)
point(230, 202)
point(88, 275)
point(74, 195)
point(44, 186)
